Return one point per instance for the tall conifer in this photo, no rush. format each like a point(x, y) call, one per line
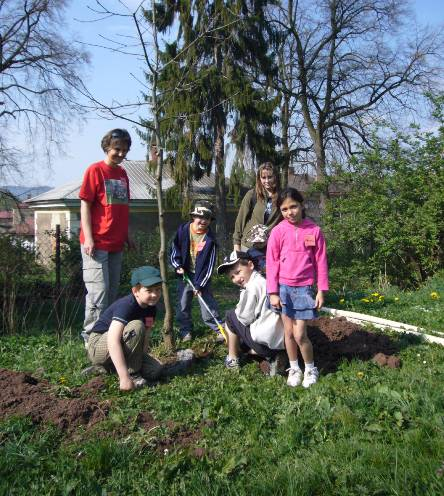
point(211, 89)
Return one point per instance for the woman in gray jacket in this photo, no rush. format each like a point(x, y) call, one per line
point(258, 213)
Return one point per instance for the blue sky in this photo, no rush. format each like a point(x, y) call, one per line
point(109, 76)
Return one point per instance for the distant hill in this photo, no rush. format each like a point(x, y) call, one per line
point(25, 192)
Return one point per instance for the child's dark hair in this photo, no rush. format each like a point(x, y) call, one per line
point(293, 194)
point(120, 135)
point(241, 261)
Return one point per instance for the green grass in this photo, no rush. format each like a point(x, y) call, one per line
point(362, 430)
point(423, 308)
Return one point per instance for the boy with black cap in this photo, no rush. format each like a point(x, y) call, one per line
point(120, 338)
point(252, 327)
point(193, 253)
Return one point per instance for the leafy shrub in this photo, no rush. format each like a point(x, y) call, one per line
point(389, 223)
point(146, 252)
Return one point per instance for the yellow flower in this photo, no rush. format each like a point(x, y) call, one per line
point(62, 379)
point(434, 295)
point(375, 294)
point(341, 301)
point(360, 375)
point(396, 298)
point(381, 298)
point(365, 300)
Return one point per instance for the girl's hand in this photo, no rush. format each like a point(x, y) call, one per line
point(319, 299)
point(275, 301)
point(180, 271)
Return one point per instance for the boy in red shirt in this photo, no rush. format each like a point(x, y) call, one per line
point(104, 213)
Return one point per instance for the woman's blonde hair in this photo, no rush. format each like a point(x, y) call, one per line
point(260, 190)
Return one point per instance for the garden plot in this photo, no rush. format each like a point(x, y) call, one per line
point(23, 394)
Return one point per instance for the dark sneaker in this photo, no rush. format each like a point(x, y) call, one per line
point(138, 380)
point(232, 363)
point(94, 370)
point(278, 364)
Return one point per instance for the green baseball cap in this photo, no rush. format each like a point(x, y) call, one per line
point(146, 276)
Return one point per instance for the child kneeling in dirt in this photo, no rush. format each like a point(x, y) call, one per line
point(252, 327)
point(120, 338)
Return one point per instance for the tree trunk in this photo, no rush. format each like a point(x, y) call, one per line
point(219, 150)
point(321, 174)
point(167, 330)
point(221, 205)
point(285, 125)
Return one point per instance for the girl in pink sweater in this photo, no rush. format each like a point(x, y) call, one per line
point(297, 259)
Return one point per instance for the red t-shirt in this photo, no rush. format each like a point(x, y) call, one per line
point(107, 189)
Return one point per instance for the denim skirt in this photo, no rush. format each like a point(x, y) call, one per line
point(298, 302)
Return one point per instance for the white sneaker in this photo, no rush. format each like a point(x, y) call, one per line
point(294, 377)
point(310, 377)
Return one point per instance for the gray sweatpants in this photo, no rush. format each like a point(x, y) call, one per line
point(101, 275)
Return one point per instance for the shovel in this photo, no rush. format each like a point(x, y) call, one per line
point(219, 325)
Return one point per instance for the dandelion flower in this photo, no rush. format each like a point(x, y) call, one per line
point(396, 298)
point(360, 375)
point(341, 301)
point(375, 294)
point(365, 300)
point(434, 295)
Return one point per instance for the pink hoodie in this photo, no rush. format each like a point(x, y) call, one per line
point(296, 256)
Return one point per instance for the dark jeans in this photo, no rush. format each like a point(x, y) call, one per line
point(185, 299)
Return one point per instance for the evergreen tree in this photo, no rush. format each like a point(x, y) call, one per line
point(211, 90)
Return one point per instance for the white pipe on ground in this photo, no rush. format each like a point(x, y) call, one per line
point(360, 318)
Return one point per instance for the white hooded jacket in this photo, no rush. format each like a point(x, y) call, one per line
point(266, 326)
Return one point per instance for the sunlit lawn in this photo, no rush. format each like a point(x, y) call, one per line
point(362, 430)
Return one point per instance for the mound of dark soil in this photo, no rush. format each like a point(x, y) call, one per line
point(335, 339)
point(23, 394)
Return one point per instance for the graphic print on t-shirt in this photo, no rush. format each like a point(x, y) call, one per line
point(116, 191)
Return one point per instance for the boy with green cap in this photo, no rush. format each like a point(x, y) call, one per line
point(120, 338)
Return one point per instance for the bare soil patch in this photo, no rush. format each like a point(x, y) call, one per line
point(335, 339)
point(23, 394)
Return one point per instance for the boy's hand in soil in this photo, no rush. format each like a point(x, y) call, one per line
point(126, 384)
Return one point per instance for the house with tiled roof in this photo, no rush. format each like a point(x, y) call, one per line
point(61, 205)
